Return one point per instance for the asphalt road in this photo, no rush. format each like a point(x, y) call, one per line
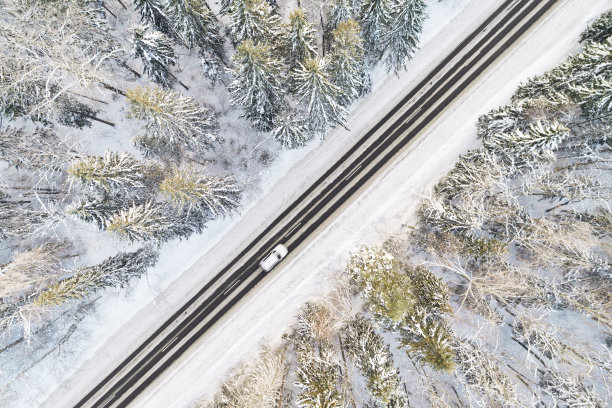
point(317, 206)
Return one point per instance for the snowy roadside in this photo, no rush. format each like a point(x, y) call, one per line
point(120, 313)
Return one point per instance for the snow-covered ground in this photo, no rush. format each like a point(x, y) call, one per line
point(120, 323)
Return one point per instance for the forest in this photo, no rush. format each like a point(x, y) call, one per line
point(125, 125)
point(499, 294)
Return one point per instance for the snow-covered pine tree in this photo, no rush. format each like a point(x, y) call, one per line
point(341, 11)
point(317, 377)
point(114, 272)
point(156, 51)
point(93, 210)
point(373, 358)
point(505, 119)
point(346, 61)
point(374, 19)
point(75, 113)
point(172, 121)
point(257, 84)
point(253, 20)
point(320, 98)
point(402, 37)
point(386, 290)
point(143, 222)
point(210, 196)
point(155, 13)
point(600, 30)
point(430, 292)
point(290, 130)
point(595, 98)
point(195, 24)
point(113, 170)
point(297, 40)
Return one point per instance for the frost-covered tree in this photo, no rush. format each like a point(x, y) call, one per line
point(252, 20)
point(374, 18)
point(505, 119)
point(341, 11)
point(155, 13)
point(402, 37)
point(290, 130)
point(346, 61)
point(595, 97)
point(257, 84)
point(317, 377)
point(312, 85)
point(113, 170)
point(156, 51)
point(211, 196)
point(600, 30)
point(172, 121)
point(297, 40)
point(94, 210)
point(195, 24)
point(114, 272)
point(373, 358)
point(143, 222)
point(569, 389)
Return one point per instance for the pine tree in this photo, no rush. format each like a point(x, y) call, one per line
point(341, 11)
point(374, 18)
point(93, 210)
point(252, 20)
point(113, 170)
point(195, 24)
point(144, 222)
point(595, 98)
point(214, 196)
point(373, 358)
point(172, 121)
point(156, 51)
point(290, 130)
point(155, 13)
point(430, 292)
point(298, 41)
point(257, 84)
point(317, 377)
point(402, 37)
point(319, 96)
point(387, 291)
point(346, 62)
point(114, 272)
point(505, 119)
point(600, 30)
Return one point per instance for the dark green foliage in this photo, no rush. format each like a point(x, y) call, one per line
point(600, 30)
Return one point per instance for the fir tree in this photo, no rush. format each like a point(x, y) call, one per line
point(505, 119)
point(374, 17)
point(154, 12)
point(318, 95)
point(257, 84)
point(142, 222)
point(595, 98)
point(113, 170)
point(195, 24)
point(215, 196)
point(114, 272)
point(173, 121)
point(600, 30)
point(317, 378)
point(402, 37)
point(290, 130)
point(341, 11)
point(252, 19)
point(97, 211)
point(346, 62)
point(156, 51)
point(298, 41)
point(430, 292)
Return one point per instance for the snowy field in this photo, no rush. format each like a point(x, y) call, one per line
point(120, 323)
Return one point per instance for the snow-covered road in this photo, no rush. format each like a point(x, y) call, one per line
point(270, 307)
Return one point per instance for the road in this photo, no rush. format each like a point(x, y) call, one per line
point(326, 197)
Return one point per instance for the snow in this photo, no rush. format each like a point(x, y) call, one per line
point(121, 322)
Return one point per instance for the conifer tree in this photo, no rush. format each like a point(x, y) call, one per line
point(600, 30)
point(97, 211)
point(172, 121)
point(317, 378)
point(298, 41)
point(143, 222)
point(252, 19)
point(505, 119)
point(402, 37)
point(595, 98)
point(374, 18)
point(113, 170)
point(214, 196)
point(257, 84)
point(115, 272)
point(318, 95)
point(156, 51)
point(341, 11)
point(195, 24)
point(290, 130)
point(155, 13)
point(346, 62)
